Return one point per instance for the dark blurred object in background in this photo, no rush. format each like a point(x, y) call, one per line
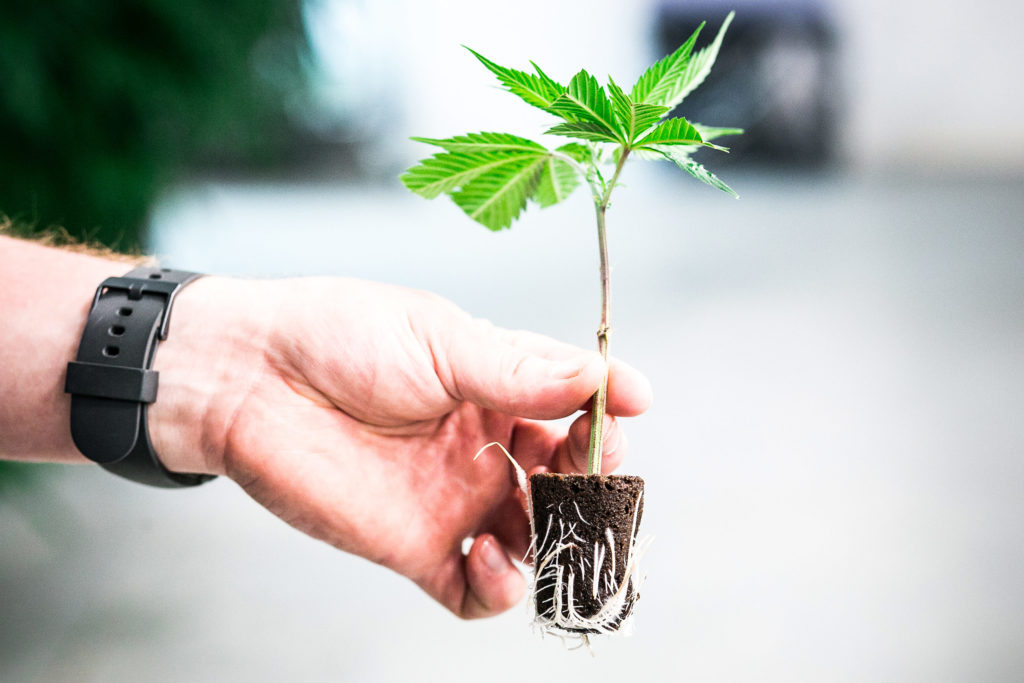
point(104, 102)
point(775, 76)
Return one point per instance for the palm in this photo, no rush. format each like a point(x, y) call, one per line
point(376, 456)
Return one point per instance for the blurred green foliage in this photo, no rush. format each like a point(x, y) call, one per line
point(104, 102)
point(15, 476)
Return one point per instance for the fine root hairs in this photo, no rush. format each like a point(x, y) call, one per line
point(562, 561)
point(559, 557)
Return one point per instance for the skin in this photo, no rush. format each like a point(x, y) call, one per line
point(350, 409)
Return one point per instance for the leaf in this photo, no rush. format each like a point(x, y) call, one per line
point(549, 84)
point(659, 84)
point(698, 67)
point(497, 197)
point(708, 133)
point(445, 172)
point(680, 156)
point(651, 154)
point(584, 130)
point(581, 153)
point(484, 142)
point(538, 90)
point(584, 100)
point(677, 131)
point(557, 181)
point(635, 119)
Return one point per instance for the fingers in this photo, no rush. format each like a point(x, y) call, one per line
point(493, 584)
point(511, 526)
point(538, 444)
point(629, 391)
point(571, 455)
point(530, 375)
point(476, 363)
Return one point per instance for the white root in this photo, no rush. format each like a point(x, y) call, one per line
point(520, 472)
point(561, 560)
point(524, 486)
point(580, 514)
point(559, 616)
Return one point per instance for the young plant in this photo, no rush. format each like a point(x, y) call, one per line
point(492, 177)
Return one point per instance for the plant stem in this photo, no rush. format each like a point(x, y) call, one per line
point(600, 401)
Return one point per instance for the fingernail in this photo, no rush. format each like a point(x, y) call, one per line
point(493, 557)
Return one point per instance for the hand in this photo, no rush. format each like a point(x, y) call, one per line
point(352, 410)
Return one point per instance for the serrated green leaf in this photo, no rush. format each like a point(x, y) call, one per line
point(634, 118)
point(495, 198)
point(549, 84)
point(646, 115)
point(709, 133)
point(557, 181)
point(706, 133)
point(583, 130)
point(622, 105)
point(698, 67)
point(660, 83)
point(538, 90)
point(677, 131)
point(680, 156)
point(447, 171)
point(484, 142)
point(584, 100)
point(575, 150)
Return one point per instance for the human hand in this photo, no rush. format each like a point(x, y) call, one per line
point(352, 410)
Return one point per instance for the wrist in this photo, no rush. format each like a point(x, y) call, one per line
point(213, 355)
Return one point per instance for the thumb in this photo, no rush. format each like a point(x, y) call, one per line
point(542, 379)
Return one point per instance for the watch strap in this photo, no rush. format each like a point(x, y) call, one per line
point(111, 381)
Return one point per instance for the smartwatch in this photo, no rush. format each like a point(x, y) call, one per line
point(111, 380)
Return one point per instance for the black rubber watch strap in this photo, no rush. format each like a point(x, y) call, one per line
point(110, 381)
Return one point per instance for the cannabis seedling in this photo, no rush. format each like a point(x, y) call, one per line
point(492, 177)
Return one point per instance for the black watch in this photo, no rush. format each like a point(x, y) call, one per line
point(110, 380)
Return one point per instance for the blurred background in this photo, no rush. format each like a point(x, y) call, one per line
point(835, 457)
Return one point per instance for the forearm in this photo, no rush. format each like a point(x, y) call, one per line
point(44, 300)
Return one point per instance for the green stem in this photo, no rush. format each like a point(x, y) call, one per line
point(600, 401)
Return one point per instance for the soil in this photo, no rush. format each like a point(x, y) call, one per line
point(576, 510)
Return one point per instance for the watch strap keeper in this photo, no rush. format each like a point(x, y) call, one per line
point(111, 381)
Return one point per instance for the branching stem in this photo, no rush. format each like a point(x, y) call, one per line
point(600, 402)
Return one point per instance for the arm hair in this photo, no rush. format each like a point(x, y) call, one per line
point(57, 236)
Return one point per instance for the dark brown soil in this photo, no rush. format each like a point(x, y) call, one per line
point(588, 505)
